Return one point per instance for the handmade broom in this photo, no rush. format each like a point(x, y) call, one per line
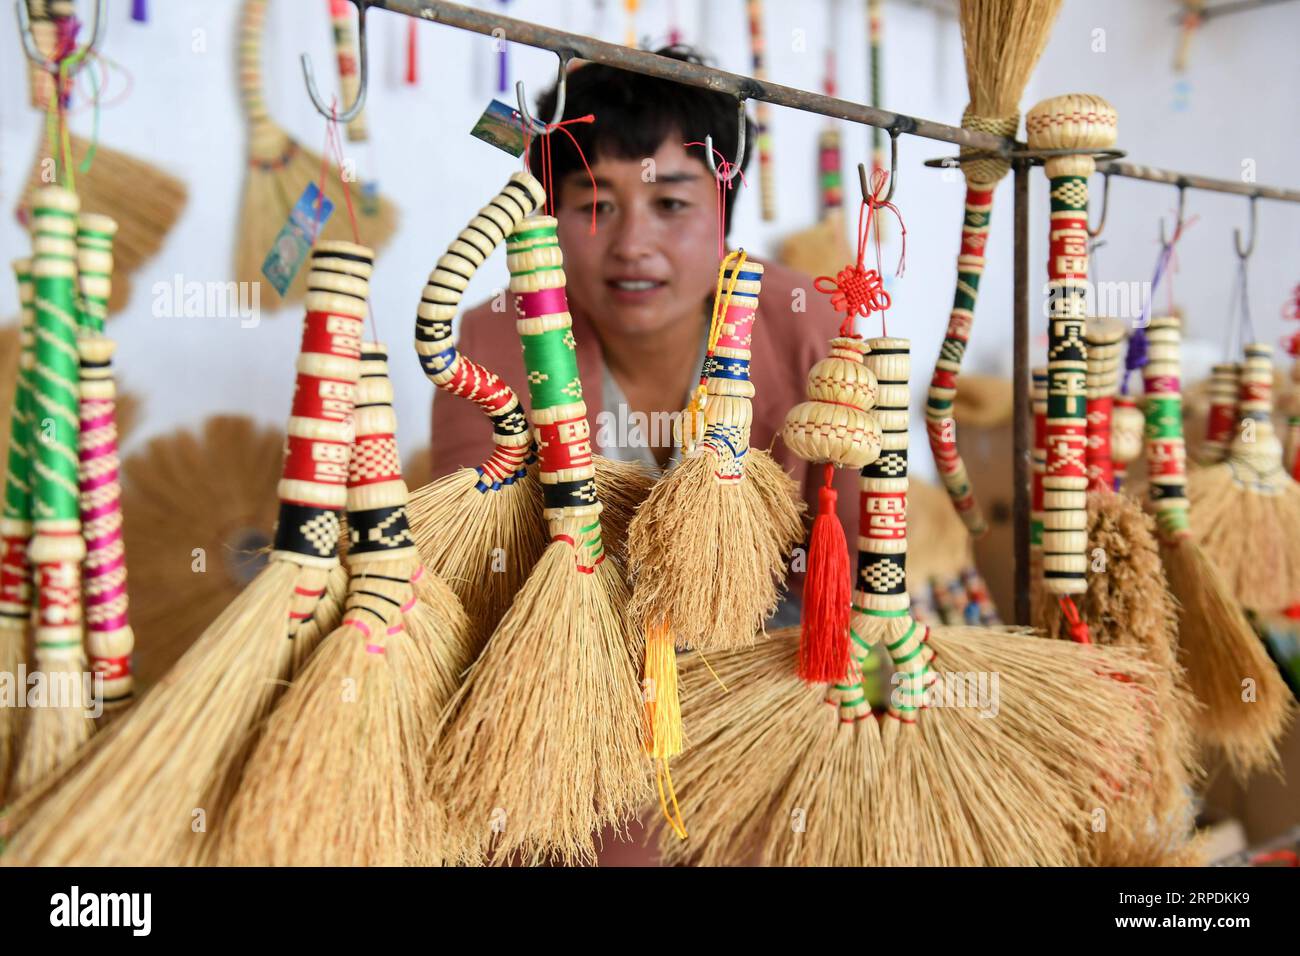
point(149, 794)
point(337, 779)
point(16, 523)
point(556, 685)
point(55, 731)
point(771, 767)
point(1002, 40)
point(478, 528)
point(758, 59)
point(278, 170)
point(109, 638)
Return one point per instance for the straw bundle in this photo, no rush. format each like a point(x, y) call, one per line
point(337, 778)
point(166, 775)
point(280, 168)
point(1002, 41)
point(556, 685)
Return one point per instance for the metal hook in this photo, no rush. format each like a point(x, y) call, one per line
point(1243, 255)
point(40, 59)
point(1178, 226)
point(1105, 204)
point(351, 112)
point(561, 88)
point(733, 168)
point(893, 169)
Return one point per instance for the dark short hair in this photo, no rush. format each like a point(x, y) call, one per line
point(634, 114)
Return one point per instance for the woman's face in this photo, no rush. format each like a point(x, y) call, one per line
point(653, 261)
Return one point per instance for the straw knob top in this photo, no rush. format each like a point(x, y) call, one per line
point(55, 199)
point(1073, 121)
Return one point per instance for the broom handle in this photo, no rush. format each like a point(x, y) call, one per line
point(57, 547)
point(1105, 343)
point(252, 19)
point(559, 415)
point(1038, 398)
point(882, 543)
point(94, 269)
point(762, 112)
point(444, 364)
point(1255, 397)
point(313, 483)
point(1221, 422)
point(345, 42)
point(728, 410)
point(1166, 448)
point(16, 522)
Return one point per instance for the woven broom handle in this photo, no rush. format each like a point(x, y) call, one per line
point(1166, 448)
point(830, 178)
point(941, 428)
point(762, 112)
point(1105, 341)
point(57, 548)
point(16, 524)
point(559, 415)
point(1038, 461)
point(1221, 424)
point(1255, 402)
point(95, 268)
point(443, 363)
point(252, 17)
point(1076, 121)
point(313, 482)
point(728, 410)
point(345, 46)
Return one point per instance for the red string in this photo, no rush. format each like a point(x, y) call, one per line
point(856, 290)
point(723, 181)
point(1077, 625)
point(547, 180)
point(334, 143)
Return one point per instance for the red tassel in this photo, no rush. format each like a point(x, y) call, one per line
point(824, 639)
point(412, 55)
point(1077, 626)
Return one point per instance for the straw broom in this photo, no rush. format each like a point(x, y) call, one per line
point(1002, 40)
point(941, 785)
point(279, 169)
point(149, 795)
point(478, 528)
point(1246, 704)
point(56, 729)
point(337, 779)
point(16, 524)
point(556, 685)
point(1128, 603)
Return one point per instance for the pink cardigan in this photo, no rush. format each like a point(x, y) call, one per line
point(786, 344)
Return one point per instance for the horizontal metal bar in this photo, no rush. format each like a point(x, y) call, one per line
point(691, 74)
point(1152, 175)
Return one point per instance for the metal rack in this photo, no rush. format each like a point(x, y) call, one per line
point(575, 46)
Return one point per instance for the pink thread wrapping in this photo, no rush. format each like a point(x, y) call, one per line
point(542, 302)
point(104, 568)
point(741, 336)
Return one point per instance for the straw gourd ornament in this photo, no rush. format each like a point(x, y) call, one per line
point(1002, 40)
point(16, 521)
point(152, 793)
point(478, 527)
point(55, 731)
point(1245, 703)
point(109, 638)
point(279, 168)
point(337, 779)
point(932, 782)
point(556, 685)
point(1246, 509)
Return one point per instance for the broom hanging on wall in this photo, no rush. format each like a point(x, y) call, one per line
point(16, 522)
point(1002, 40)
point(279, 168)
point(762, 111)
point(54, 732)
point(556, 685)
point(337, 779)
point(109, 638)
point(478, 528)
point(151, 794)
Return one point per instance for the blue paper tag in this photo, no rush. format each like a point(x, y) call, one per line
point(296, 237)
point(502, 127)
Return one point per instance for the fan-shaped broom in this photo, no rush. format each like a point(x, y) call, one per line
point(163, 781)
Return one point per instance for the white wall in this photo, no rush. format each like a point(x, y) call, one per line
point(183, 115)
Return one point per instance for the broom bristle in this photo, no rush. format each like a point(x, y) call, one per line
point(1253, 538)
point(556, 672)
point(710, 555)
point(52, 734)
point(143, 200)
point(271, 188)
point(1221, 652)
point(1002, 41)
point(151, 794)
